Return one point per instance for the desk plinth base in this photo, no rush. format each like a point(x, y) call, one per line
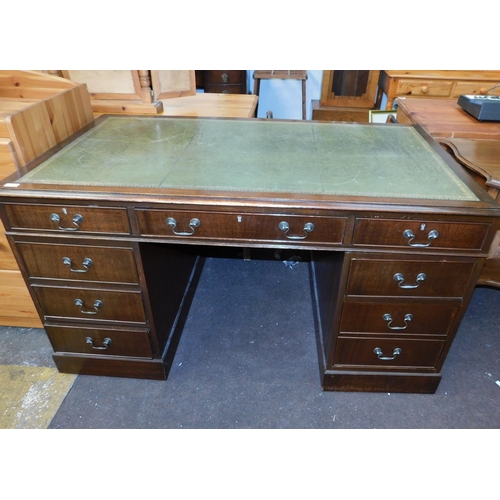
point(381, 382)
point(154, 369)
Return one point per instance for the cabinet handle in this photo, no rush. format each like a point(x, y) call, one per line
point(193, 224)
point(425, 89)
point(388, 318)
point(225, 77)
point(401, 279)
point(308, 227)
point(85, 264)
point(84, 310)
point(105, 343)
point(408, 233)
point(380, 354)
point(77, 220)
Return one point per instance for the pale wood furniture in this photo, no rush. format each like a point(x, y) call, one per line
point(281, 74)
point(212, 105)
point(398, 234)
point(37, 111)
point(444, 84)
point(346, 95)
point(132, 91)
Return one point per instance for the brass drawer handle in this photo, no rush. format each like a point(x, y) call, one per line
point(85, 264)
point(388, 318)
point(193, 224)
point(401, 279)
point(225, 77)
point(105, 343)
point(84, 310)
point(408, 233)
point(308, 227)
point(77, 220)
point(380, 354)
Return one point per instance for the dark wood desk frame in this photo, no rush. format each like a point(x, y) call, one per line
point(378, 328)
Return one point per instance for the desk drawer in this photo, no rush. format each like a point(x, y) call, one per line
point(415, 278)
point(91, 304)
point(388, 353)
point(427, 88)
point(79, 262)
point(398, 317)
point(100, 341)
point(64, 218)
point(241, 226)
point(420, 234)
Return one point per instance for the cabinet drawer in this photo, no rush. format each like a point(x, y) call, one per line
point(224, 89)
point(354, 352)
point(91, 304)
point(63, 218)
point(409, 278)
point(243, 226)
point(398, 317)
point(420, 234)
point(427, 88)
point(100, 341)
point(219, 77)
point(79, 262)
point(472, 88)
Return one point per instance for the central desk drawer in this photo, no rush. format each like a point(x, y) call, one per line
point(79, 262)
point(91, 304)
point(420, 234)
point(387, 353)
point(401, 318)
point(395, 278)
point(241, 226)
point(100, 341)
point(68, 218)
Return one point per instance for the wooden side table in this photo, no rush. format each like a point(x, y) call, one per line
point(444, 118)
point(474, 144)
point(431, 84)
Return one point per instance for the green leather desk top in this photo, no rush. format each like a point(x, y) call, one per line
point(254, 155)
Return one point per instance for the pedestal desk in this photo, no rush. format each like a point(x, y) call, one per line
point(110, 230)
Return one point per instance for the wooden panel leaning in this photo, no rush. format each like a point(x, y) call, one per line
point(37, 111)
point(41, 126)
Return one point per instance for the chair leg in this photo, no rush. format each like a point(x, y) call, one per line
point(303, 99)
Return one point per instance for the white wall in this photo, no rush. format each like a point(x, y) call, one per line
point(284, 97)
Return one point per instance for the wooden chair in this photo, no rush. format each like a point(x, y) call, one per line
point(287, 74)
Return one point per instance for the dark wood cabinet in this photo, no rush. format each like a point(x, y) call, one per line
point(222, 81)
